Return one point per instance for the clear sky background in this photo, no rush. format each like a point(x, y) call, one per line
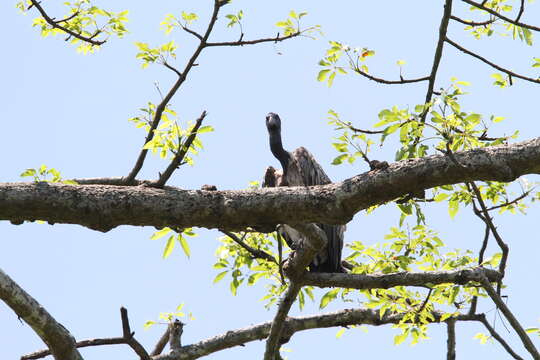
point(71, 112)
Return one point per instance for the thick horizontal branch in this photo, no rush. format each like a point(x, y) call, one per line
point(385, 281)
point(102, 207)
point(293, 324)
point(57, 337)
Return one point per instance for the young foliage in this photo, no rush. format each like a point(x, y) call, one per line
point(169, 137)
point(84, 19)
point(45, 174)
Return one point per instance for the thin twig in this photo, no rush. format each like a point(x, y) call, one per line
point(443, 28)
point(256, 253)
point(498, 238)
point(493, 65)
point(258, 41)
point(389, 82)
point(56, 25)
point(521, 9)
point(511, 319)
point(502, 17)
point(276, 330)
point(507, 203)
point(451, 339)
point(183, 148)
point(472, 23)
point(498, 337)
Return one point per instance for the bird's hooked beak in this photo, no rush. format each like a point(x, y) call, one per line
point(273, 122)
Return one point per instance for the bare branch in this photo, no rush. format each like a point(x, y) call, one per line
point(487, 219)
point(502, 17)
point(472, 23)
point(499, 338)
point(57, 338)
point(56, 25)
point(511, 319)
point(175, 335)
point(102, 207)
point(451, 339)
point(181, 153)
point(128, 336)
point(162, 342)
point(493, 65)
point(275, 334)
point(389, 82)
point(258, 41)
point(385, 281)
point(443, 28)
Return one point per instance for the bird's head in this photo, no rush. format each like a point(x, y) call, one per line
point(273, 122)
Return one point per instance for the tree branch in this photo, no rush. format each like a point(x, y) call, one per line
point(389, 82)
point(127, 339)
point(443, 28)
point(499, 338)
point(451, 339)
point(57, 338)
point(493, 65)
point(294, 324)
point(385, 281)
point(502, 17)
point(511, 319)
point(472, 23)
point(181, 153)
point(275, 333)
point(102, 207)
point(163, 104)
point(256, 253)
point(56, 25)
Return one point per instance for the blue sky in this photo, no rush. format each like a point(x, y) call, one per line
point(71, 112)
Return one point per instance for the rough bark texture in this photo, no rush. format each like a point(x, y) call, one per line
point(102, 207)
point(57, 338)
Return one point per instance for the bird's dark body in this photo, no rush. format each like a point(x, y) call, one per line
point(301, 169)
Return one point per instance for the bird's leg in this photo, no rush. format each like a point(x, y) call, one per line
point(280, 255)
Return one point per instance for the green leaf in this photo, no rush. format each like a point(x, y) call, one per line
point(160, 233)
point(329, 296)
point(220, 276)
point(168, 247)
point(338, 160)
point(322, 74)
point(28, 172)
point(185, 245)
point(453, 207)
point(398, 339)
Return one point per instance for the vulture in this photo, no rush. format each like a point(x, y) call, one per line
point(299, 168)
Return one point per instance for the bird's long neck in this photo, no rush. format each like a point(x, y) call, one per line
point(279, 152)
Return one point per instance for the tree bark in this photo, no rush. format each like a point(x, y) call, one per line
point(103, 207)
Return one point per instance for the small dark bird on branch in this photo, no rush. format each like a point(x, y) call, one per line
point(301, 169)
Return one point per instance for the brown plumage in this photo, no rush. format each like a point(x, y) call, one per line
point(301, 169)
